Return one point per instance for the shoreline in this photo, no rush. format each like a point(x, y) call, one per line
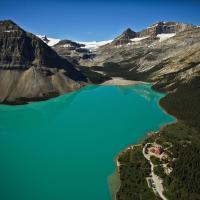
point(118, 81)
point(113, 183)
point(115, 81)
point(29, 100)
point(116, 173)
point(117, 164)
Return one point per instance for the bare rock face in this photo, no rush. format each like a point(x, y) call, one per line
point(45, 39)
point(72, 51)
point(125, 37)
point(165, 27)
point(31, 70)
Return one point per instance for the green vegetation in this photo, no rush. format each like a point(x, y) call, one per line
point(184, 104)
point(161, 141)
point(133, 172)
point(155, 161)
point(159, 171)
point(183, 183)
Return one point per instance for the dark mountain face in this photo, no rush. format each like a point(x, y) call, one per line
point(22, 50)
point(24, 55)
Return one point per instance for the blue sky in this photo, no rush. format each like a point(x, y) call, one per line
point(95, 20)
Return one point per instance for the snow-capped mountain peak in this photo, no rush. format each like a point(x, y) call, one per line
point(88, 45)
point(50, 41)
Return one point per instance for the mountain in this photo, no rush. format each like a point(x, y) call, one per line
point(156, 54)
point(152, 31)
point(30, 69)
point(90, 45)
point(159, 54)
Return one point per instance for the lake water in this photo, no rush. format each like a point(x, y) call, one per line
point(64, 148)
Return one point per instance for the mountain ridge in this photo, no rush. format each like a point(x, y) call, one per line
point(152, 58)
point(177, 27)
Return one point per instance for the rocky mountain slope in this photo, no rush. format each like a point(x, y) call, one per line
point(72, 51)
point(152, 31)
point(165, 27)
point(30, 69)
point(165, 53)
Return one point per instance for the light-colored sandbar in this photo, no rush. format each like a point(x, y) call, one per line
point(120, 81)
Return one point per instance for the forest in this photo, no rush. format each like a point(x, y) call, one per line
point(183, 183)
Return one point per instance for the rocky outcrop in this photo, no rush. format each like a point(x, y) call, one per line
point(31, 70)
point(72, 51)
point(69, 44)
point(164, 27)
point(45, 39)
point(125, 37)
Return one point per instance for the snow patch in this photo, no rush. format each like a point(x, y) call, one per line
point(94, 44)
point(53, 41)
point(67, 45)
point(138, 39)
point(152, 26)
point(165, 36)
point(88, 45)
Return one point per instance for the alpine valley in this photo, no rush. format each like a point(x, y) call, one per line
point(166, 55)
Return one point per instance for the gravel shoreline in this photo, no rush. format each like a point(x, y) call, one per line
point(120, 81)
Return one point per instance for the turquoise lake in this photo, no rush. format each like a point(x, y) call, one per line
point(64, 148)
